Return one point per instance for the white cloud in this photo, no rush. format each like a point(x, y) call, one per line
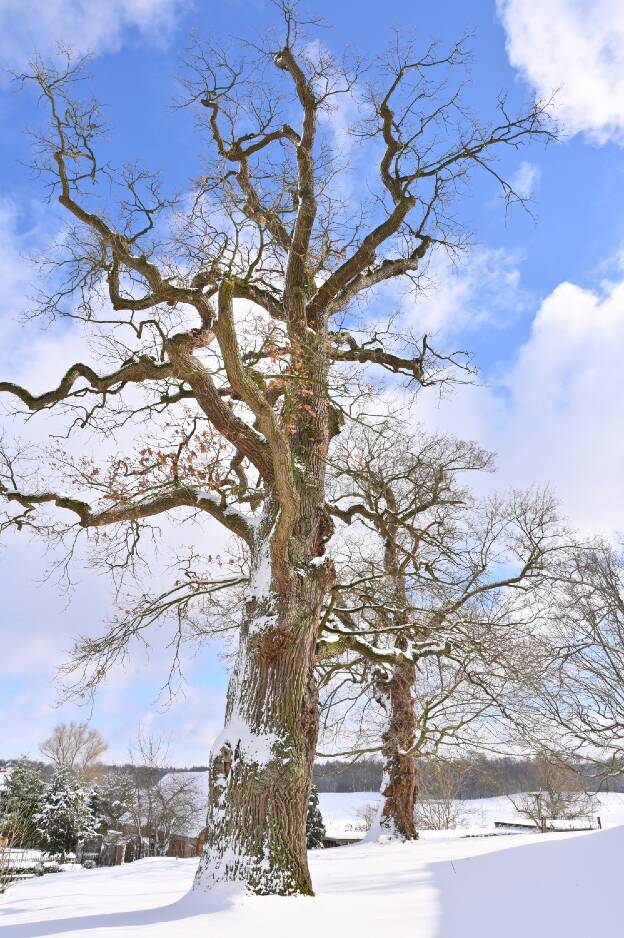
point(574, 48)
point(525, 179)
point(16, 274)
point(85, 25)
point(37, 626)
point(37, 620)
point(483, 289)
point(555, 416)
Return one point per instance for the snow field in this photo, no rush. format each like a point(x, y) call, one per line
point(443, 886)
point(342, 812)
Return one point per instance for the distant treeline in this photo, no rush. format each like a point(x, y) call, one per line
point(478, 777)
point(341, 775)
point(142, 773)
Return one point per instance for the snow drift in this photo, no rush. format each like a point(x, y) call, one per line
point(443, 886)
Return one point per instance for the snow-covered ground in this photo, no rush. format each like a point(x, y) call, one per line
point(444, 886)
point(342, 813)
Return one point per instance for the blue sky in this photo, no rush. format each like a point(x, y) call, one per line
point(540, 302)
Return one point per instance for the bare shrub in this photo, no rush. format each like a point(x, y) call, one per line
point(562, 795)
point(15, 857)
point(366, 816)
point(437, 807)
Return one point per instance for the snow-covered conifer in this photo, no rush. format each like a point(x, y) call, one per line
point(66, 812)
point(315, 828)
point(20, 798)
point(115, 794)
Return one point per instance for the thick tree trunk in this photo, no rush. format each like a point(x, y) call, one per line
point(399, 787)
point(261, 764)
point(398, 790)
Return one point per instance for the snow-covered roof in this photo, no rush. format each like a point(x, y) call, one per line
point(199, 781)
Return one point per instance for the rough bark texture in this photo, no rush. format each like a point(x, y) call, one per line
point(399, 788)
point(261, 765)
point(399, 779)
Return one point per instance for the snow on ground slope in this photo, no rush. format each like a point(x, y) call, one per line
point(543, 886)
point(342, 812)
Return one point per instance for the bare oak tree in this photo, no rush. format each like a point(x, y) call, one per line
point(435, 612)
point(232, 325)
point(75, 746)
point(581, 695)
